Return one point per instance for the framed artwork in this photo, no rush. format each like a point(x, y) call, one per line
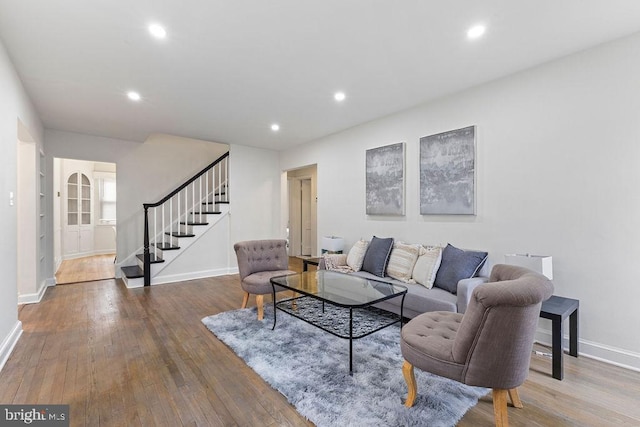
point(385, 180)
point(448, 173)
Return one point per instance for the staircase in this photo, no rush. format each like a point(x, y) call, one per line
point(178, 220)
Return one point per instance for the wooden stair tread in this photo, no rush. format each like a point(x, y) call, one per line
point(152, 258)
point(132, 272)
point(179, 234)
point(206, 213)
point(194, 223)
point(165, 246)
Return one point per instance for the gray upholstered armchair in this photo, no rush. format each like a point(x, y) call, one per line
point(258, 262)
point(489, 346)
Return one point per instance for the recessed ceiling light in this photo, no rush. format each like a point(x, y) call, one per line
point(339, 96)
point(275, 127)
point(157, 31)
point(134, 96)
point(476, 31)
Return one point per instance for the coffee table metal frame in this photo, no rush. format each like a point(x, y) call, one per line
point(383, 318)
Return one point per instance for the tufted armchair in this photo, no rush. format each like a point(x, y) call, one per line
point(489, 346)
point(258, 262)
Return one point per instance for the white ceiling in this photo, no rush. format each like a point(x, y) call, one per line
point(228, 69)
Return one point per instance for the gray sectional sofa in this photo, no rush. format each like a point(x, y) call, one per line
point(453, 297)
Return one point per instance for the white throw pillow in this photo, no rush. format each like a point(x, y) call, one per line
point(424, 272)
point(403, 258)
point(356, 255)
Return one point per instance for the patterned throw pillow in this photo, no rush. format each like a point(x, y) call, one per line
point(335, 261)
point(427, 264)
point(356, 255)
point(403, 258)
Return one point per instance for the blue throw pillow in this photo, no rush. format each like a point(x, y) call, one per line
point(456, 265)
point(377, 256)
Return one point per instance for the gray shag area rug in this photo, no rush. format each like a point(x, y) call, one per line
point(310, 367)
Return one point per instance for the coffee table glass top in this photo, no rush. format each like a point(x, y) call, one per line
point(338, 288)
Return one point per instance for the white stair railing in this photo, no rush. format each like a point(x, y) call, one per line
point(190, 203)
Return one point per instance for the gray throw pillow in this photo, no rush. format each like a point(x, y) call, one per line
point(377, 256)
point(456, 265)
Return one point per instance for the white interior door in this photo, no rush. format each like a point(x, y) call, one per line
point(305, 214)
point(295, 219)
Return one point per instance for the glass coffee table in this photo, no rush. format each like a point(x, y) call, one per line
point(338, 303)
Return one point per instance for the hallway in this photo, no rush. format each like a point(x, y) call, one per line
point(86, 269)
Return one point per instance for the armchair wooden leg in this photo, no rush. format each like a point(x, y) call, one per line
point(260, 305)
point(409, 377)
point(515, 398)
point(294, 305)
point(500, 407)
point(245, 300)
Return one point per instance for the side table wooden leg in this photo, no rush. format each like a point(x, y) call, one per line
point(573, 334)
point(556, 347)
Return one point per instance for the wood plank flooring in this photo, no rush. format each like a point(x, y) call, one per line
point(86, 269)
point(143, 357)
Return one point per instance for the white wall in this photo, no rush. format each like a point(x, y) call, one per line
point(14, 106)
point(255, 195)
point(558, 167)
point(206, 257)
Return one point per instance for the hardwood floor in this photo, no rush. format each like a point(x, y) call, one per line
point(86, 269)
point(143, 357)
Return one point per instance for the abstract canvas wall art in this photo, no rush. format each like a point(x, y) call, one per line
point(447, 173)
point(385, 180)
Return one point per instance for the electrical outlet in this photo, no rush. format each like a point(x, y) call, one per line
point(10, 198)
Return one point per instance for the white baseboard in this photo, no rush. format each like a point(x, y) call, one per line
point(593, 350)
point(35, 297)
point(192, 275)
point(9, 343)
point(51, 281)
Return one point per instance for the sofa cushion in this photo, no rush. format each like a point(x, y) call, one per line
point(377, 256)
point(356, 255)
point(427, 264)
point(401, 261)
point(457, 264)
point(418, 299)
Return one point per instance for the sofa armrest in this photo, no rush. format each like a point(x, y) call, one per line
point(465, 289)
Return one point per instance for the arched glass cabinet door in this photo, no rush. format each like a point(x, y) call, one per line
point(78, 199)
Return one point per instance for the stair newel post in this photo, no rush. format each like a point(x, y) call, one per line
point(147, 256)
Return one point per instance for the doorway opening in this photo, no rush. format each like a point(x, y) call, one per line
point(84, 218)
point(302, 223)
